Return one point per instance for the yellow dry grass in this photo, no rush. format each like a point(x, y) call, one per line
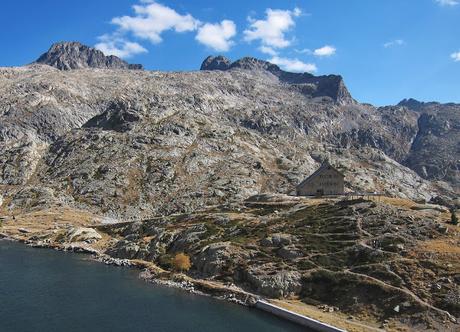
point(131, 192)
point(395, 201)
point(446, 246)
point(336, 319)
point(152, 267)
point(51, 219)
point(446, 251)
point(43, 219)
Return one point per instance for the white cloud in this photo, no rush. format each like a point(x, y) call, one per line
point(393, 43)
point(447, 2)
point(268, 50)
point(324, 51)
point(152, 19)
point(304, 51)
point(217, 36)
point(294, 65)
point(456, 56)
point(120, 47)
point(271, 31)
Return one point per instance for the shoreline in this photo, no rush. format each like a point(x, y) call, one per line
point(273, 250)
point(201, 287)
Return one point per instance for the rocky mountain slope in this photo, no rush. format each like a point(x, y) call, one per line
point(74, 55)
point(141, 165)
point(331, 86)
point(389, 263)
point(387, 259)
point(439, 132)
point(137, 143)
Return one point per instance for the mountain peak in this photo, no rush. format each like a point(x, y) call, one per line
point(251, 63)
point(411, 103)
point(215, 63)
point(331, 86)
point(415, 105)
point(75, 55)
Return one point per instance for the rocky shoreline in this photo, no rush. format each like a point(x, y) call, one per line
point(137, 167)
point(392, 263)
point(178, 281)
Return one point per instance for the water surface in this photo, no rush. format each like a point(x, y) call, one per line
point(46, 290)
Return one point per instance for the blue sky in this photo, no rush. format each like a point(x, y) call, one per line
point(386, 50)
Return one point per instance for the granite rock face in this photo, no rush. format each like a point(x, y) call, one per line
point(82, 234)
point(215, 63)
point(435, 153)
point(364, 257)
point(136, 144)
point(330, 86)
point(74, 55)
point(275, 285)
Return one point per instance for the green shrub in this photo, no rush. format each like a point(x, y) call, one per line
point(165, 261)
point(453, 217)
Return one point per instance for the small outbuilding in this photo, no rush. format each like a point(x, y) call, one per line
point(327, 180)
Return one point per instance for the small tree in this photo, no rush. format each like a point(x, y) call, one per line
point(181, 262)
point(453, 217)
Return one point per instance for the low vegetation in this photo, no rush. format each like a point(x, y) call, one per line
point(453, 217)
point(181, 262)
point(386, 262)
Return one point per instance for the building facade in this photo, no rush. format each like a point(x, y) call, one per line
point(327, 180)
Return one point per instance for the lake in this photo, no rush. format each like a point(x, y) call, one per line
point(47, 290)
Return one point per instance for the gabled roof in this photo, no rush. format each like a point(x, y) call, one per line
point(325, 165)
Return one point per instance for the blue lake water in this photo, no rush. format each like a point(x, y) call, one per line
point(46, 290)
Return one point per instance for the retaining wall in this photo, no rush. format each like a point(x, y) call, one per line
point(311, 323)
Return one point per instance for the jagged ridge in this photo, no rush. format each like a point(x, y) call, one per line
point(74, 55)
point(331, 86)
point(145, 143)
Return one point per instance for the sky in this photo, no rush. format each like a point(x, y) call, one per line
point(386, 50)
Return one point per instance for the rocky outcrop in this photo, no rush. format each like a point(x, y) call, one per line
point(74, 55)
point(124, 249)
point(119, 117)
point(278, 240)
point(277, 284)
point(218, 259)
point(82, 234)
point(331, 86)
point(434, 152)
point(215, 63)
point(412, 104)
point(138, 144)
point(382, 260)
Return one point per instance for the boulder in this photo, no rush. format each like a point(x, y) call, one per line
point(435, 207)
point(124, 249)
point(188, 237)
point(161, 242)
point(82, 234)
point(274, 283)
point(289, 252)
point(218, 258)
point(277, 240)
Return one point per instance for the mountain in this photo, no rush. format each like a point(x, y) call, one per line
point(74, 55)
point(331, 86)
point(138, 143)
point(142, 165)
point(435, 152)
point(388, 262)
